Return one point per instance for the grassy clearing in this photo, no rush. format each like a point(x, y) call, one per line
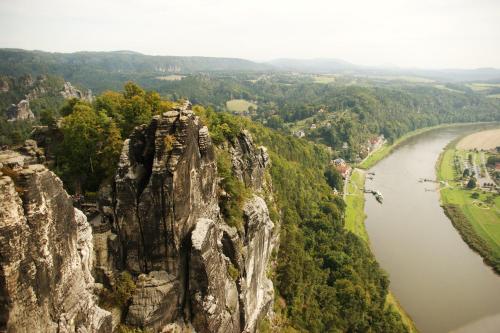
point(494, 96)
point(476, 219)
point(239, 105)
point(355, 222)
point(325, 79)
point(355, 205)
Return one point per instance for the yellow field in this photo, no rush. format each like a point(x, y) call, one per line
point(324, 79)
point(481, 140)
point(170, 77)
point(483, 86)
point(239, 105)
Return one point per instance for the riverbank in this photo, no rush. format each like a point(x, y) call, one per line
point(473, 212)
point(355, 222)
point(387, 148)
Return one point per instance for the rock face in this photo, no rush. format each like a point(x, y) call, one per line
point(71, 92)
point(4, 85)
point(21, 111)
point(163, 208)
point(45, 278)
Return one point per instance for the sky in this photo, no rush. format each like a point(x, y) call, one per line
point(403, 33)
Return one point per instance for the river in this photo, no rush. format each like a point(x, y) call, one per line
point(438, 280)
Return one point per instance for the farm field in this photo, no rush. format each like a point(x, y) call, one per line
point(239, 105)
point(481, 140)
point(325, 79)
point(170, 77)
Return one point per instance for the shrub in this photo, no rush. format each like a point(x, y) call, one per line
point(169, 141)
point(120, 293)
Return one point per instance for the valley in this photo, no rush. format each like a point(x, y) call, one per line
point(229, 166)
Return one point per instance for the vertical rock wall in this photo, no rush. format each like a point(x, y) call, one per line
point(46, 255)
point(171, 232)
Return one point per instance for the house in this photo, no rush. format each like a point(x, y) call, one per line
point(299, 134)
point(313, 126)
point(376, 142)
point(344, 170)
point(338, 162)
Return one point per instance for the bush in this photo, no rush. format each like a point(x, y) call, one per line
point(471, 183)
point(120, 293)
point(236, 193)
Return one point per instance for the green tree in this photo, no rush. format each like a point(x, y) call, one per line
point(77, 157)
point(471, 183)
point(334, 179)
point(466, 173)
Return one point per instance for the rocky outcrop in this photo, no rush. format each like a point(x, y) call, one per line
point(256, 288)
point(45, 277)
point(249, 163)
point(4, 85)
point(154, 303)
point(20, 111)
point(163, 207)
point(71, 92)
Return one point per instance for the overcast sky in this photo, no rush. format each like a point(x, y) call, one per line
point(416, 33)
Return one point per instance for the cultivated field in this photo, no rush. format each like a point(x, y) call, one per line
point(481, 140)
point(324, 79)
point(170, 77)
point(239, 105)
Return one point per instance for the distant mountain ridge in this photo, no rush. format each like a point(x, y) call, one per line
point(338, 66)
point(108, 70)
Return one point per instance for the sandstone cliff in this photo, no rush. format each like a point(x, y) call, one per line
point(46, 253)
point(159, 220)
point(193, 269)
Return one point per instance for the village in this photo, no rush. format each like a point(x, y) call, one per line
point(479, 168)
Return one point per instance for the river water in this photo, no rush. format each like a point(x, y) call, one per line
point(438, 280)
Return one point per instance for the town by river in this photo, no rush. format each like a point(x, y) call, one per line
point(437, 278)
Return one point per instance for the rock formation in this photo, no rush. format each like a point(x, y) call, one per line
point(159, 220)
point(20, 111)
point(71, 92)
point(4, 85)
point(46, 245)
point(192, 267)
